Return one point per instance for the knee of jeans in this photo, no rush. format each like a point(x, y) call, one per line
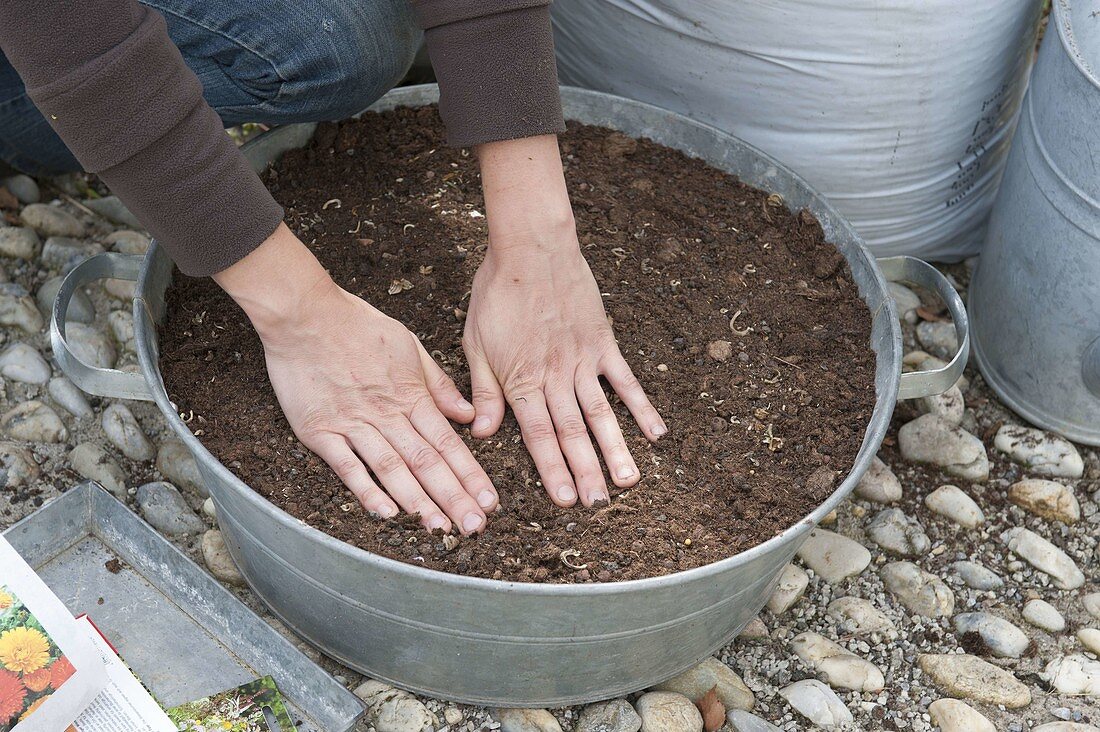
point(363, 49)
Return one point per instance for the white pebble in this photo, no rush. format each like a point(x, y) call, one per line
point(124, 432)
point(950, 502)
point(21, 362)
point(1042, 453)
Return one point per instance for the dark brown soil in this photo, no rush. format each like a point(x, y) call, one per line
point(758, 436)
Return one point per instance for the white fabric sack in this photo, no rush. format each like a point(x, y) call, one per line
point(900, 112)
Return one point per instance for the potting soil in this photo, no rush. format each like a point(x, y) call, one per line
point(740, 320)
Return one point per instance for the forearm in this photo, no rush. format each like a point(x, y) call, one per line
point(526, 201)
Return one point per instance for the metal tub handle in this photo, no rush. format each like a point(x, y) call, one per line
point(101, 382)
point(916, 384)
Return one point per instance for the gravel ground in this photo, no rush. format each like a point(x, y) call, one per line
point(893, 668)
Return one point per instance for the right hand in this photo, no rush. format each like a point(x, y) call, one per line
point(359, 390)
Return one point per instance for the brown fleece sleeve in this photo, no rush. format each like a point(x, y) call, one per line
point(113, 86)
point(494, 60)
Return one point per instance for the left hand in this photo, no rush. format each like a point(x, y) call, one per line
point(537, 335)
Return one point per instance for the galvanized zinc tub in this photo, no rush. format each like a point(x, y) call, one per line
point(1036, 293)
point(508, 643)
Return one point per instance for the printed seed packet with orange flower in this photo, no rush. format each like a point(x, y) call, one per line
point(49, 669)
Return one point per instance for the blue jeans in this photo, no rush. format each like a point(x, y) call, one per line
point(270, 61)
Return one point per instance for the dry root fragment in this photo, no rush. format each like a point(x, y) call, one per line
point(568, 554)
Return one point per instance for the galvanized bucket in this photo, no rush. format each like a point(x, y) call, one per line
point(1035, 297)
point(507, 643)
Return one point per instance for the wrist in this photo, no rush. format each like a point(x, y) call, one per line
point(278, 284)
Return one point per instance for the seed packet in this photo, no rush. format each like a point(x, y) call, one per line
point(124, 704)
point(254, 707)
point(49, 669)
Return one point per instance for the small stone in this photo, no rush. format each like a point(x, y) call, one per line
point(219, 561)
point(720, 350)
point(929, 439)
point(1046, 499)
point(697, 681)
point(209, 509)
point(1002, 638)
point(1090, 639)
point(1044, 556)
point(393, 710)
point(1075, 675)
point(792, 584)
point(19, 243)
point(23, 187)
point(1040, 452)
point(526, 720)
point(81, 309)
point(21, 362)
point(833, 557)
point(753, 630)
point(898, 534)
point(611, 716)
point(938, 338)
point(453, 715)
point(948, 406)
point(976, 576)
point(742, 721)
point(128, 242)
point(61, 252)
point(19, 310)
point(176, 464)
point(90, 346)
point(123, 290)
point(949, 501)
point(69, 397)
point(859, 617)
point(17, 466)
point(164, 508)
point(838, 667)
point(124, 432)
point(970, 677)
point(33, 421)
point(879, 484)
point(52, 221)
point(665, 711)
point(817, 703)
point(952, 715)
point(1042, 614)
point(112, 209)
point(90, 461)
point(920, 592)
point(121, 323)
point(1091, 603)
point(906, 300)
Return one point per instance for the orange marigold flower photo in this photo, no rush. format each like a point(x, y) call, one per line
point(60, 672)
point(38, 680)
point(12, 695)
point(24, 650)
point(6, 600)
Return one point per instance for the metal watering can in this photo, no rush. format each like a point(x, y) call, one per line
point(1035, 298)
point(492, 642)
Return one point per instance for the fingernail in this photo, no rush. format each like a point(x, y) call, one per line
point(471, 523)
point(626, 472)
point(482, 423)
point(599, 498)
point(436, 522)
point(387, 511)
point(486, 499)
point(659, 430)
point(464, 405)
point(566, 494)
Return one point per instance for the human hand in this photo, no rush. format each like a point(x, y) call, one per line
point(537, 336)
point(359, 390)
